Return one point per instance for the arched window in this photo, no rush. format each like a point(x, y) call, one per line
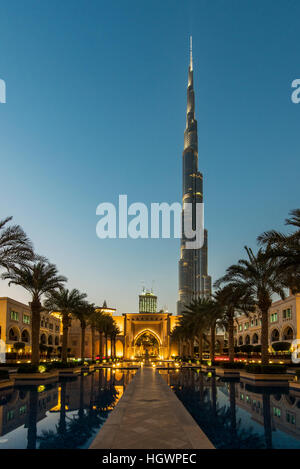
point(247, 340)
point(255, 339)
point(275, 335)
point(13, 335)
point(240, 340)
point(288, 334)
point(50, 340)
point(43, 339)
point(56, 340)
point(25, 336)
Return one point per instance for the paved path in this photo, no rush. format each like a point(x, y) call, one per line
point(150, 416)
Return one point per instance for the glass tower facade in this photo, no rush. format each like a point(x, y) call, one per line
point(194, 281)
point(147, 303)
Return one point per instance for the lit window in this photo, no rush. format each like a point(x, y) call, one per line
point(23, 410)
point(287, 313)
point(26, 319)
point(274, 317)
point(276, 412)
point(10, 415)
point(14, 315)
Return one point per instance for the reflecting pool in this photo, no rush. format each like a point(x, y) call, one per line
point(235, 414)
point(66, 414)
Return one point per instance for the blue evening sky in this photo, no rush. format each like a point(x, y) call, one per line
point(96, 100)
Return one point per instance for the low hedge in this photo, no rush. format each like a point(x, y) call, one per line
point(257, 368)
point(4, 374)
point(61, 365)
point(232, 365)
point(28, 368)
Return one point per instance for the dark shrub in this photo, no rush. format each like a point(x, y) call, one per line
point(281, 346)
point(11, 355)
point(233, 366)
point(246, 348)
point(267, 369)
point(61, 365)
point(28, 368)
point(4, 374)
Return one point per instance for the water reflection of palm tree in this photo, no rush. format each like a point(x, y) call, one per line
point(218, 423)
point(75, 432)
point(232, 410)
point(214, 395)
point(267, 419)
point(32, 418)
point(92, 389)
point(81, 401)
point(62, 419)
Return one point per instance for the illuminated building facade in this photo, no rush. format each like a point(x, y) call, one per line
point(138, 331)
point(194, 281)
point(15, 326)
point(147, 303)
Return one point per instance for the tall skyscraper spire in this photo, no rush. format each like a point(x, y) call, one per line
point(194, 281)
point(191, 53)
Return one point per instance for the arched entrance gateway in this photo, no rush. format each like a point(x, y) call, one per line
point(147, 343)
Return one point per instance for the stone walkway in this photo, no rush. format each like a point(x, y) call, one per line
point(150, 416)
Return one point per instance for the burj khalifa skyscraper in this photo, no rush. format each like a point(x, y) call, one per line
point(194, 281)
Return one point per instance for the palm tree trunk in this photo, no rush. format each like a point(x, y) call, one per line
point(106, 346)
point(35, 339)
point(111, 347)
point(200, 339)
point(212, 341)
point(93, 343)
point(64, 352)
point(230, 338)
point(100, 345)
point(191, 342)
point(82, 342)
point(264, 337)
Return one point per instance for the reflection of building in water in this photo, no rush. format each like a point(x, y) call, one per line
point(14, 412)
point(84, 390)
point(285, 409)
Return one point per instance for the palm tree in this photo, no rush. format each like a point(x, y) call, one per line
point(196, 318)
point(214, 315)
point(177, 336)
point(261, 277)
point(38, 278)
point(15, 246)
point(188, 331)
point(115, 331)
point(98, 322)
point(92, 321)
point(232, 300)
point(108, 324)
point(65, 302)
point(287, 249)
point(83, 314)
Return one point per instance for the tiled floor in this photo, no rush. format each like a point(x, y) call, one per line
point(150, 416)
